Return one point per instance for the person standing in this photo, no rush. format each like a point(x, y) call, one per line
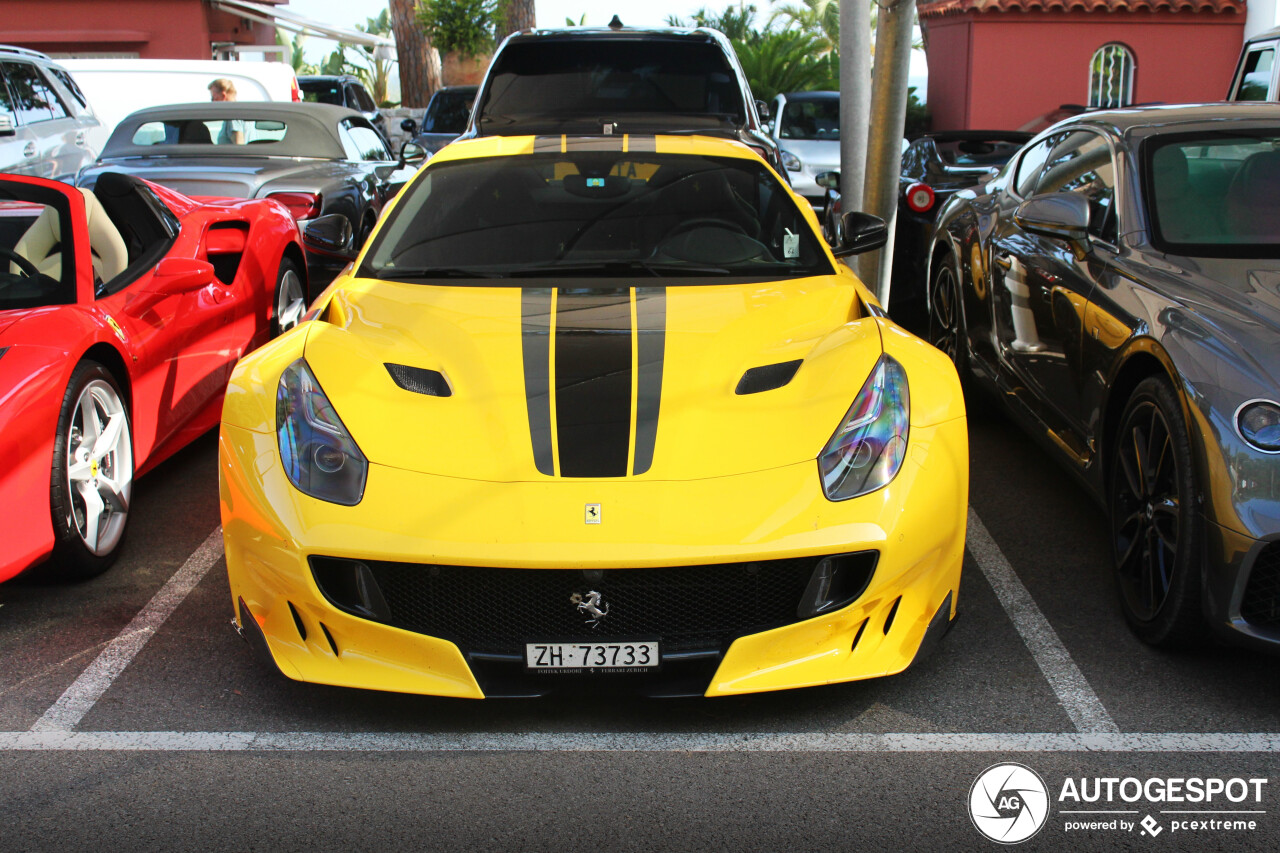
point(232, 131)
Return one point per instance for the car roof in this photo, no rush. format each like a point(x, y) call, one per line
point(817, 95)
point(623, 143)
point(1139, 120)
point(313, 129)
point(633, 33)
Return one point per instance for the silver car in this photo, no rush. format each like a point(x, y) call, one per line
point(47, 127)
point(807, 126)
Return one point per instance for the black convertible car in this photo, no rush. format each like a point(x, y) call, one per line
point(1118, 285)
point(317, 159)
point(934, 167)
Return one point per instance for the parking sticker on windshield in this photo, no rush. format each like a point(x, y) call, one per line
point(790, 245)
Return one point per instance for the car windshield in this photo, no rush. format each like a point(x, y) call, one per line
point(983, 153)
point(811, 120)
point(34, 232)
point(1214, 194)
point(596, 214)
point(448, 112)
point(322, 92)
point(609, 79)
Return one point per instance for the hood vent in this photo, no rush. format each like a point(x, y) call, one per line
point(768, 377)
point(419, 380)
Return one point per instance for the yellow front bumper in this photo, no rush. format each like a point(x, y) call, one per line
point(917, 524)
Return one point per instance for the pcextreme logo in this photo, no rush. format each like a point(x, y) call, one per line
point(1009, 803)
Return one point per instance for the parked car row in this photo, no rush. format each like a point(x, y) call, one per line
point(594, 365)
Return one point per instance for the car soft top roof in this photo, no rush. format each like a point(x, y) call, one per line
point(313, 129)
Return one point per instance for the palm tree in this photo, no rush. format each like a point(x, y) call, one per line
point(819, 18)
point(373, 70)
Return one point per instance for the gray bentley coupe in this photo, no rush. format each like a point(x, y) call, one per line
point(317, 159)
point(1118, 285)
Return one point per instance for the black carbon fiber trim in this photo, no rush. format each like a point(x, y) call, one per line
point(535, 311)
point(651, 329)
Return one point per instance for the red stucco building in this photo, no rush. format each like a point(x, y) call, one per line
point(144, 29)
point(1005, 63)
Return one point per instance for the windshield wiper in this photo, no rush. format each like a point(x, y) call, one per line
point(657, 268)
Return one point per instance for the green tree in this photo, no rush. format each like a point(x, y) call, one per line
point(775, 60)
point(818, 18)
point(465, 27)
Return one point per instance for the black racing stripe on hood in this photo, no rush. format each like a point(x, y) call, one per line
point(651, 329)
point(593, 381)
point(535, 314)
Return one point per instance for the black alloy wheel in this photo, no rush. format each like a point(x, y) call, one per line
point(946, 323)
point(1155, 522)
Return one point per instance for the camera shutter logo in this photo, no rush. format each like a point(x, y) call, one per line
point(1008, 803)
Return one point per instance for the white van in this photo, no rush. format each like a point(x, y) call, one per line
point(118, 87)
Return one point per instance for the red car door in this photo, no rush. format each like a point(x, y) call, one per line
point(176, 319)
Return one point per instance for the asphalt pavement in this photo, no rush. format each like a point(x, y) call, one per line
point(132, 717)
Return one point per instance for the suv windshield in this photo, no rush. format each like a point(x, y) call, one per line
point(596, 214)
point(610, 80)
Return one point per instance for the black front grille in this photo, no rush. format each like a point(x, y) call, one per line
point(1261, 604)
point(497, 610)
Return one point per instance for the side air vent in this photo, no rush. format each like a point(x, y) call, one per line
point(419, 380)
point(768, 377)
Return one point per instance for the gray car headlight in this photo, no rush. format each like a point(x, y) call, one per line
point(790, 161)
point(868, 449)
point(319, 455)
point(1259, 424)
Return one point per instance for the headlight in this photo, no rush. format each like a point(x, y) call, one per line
point(319, 455)
point(1259, 424)
point(867, 450)
point(790, 161)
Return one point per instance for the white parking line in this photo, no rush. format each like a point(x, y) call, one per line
point(550, 742)
point(86, 690)
point(1066, 680)
point(1077, 697)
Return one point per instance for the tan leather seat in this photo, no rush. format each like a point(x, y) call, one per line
point(42, 241)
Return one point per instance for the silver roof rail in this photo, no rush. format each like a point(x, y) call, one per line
point(22, 51)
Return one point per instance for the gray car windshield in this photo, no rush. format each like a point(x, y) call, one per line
point(596, 214)
point(1215, 194)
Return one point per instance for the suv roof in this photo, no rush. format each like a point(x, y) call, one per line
point(612, 80)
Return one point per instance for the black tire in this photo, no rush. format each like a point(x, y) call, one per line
point(289, 299)
point(87, 537)
point(1156, 528)
point(946, 317)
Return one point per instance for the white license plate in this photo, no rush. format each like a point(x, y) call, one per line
point(599, 657)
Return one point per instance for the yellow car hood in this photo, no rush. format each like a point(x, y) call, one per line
point(580, 381)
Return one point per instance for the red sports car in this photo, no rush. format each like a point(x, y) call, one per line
point(122, 312)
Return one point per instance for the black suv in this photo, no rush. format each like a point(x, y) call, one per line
point(347, 91)
point(614, 80)
point(446, 117)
